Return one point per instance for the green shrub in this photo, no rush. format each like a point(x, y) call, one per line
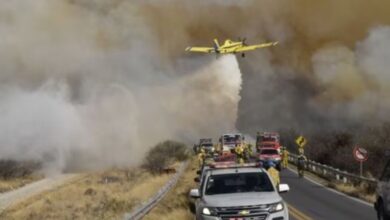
point(164, 153)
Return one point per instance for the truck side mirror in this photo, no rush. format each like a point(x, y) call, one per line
point(194, 193)
point(282, 188)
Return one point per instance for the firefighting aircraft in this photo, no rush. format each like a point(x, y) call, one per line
point(229, 47)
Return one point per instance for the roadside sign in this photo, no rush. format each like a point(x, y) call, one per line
point(301, 141)
point(360, 154)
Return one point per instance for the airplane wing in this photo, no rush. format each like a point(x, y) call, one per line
point(254, 47)
point(201, 49)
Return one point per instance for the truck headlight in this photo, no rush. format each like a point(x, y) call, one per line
point(276, 207)
point(209, 211)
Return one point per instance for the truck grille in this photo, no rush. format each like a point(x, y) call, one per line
point(262, 217)
point(259, 212)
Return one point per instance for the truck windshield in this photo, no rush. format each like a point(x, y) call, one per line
point(267, 139)
point(269, 151)
point(231, 139)
point(238, 183)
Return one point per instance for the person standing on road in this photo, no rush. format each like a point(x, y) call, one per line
point(239, 150)
point(284, 157)
point(248, 152)
point(273, 172)
point(301, 164)
point(201, 156)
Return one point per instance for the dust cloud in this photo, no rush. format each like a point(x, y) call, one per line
point(88, 84)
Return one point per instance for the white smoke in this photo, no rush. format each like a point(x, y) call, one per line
point(84, 85)
point(96, 83)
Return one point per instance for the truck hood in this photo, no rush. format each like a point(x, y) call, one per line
point(241, 199)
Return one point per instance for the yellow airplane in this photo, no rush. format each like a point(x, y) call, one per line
point(229, 47)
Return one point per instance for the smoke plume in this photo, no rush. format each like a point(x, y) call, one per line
point(83, 85)
point(86, 84)
point(317, 75)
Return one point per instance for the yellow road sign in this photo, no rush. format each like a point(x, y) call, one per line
point(301, 141)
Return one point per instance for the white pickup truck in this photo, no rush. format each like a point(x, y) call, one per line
point(239, 192)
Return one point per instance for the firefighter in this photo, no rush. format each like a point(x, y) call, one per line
point(239, 150)
point(301, 164)
point(273, 172)
point(284, 157)
point(201, 156)
point(217, 149)
point(248, 151)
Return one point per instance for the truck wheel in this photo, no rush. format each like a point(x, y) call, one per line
point(381, 212)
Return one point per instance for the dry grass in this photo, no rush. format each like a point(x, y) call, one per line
point(359, 191)
point(17, 182)
point(103, 195)
point(16, 174)
point(176, 205)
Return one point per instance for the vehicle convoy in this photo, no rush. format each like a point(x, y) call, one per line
point(382, 204)
point(268, 140)
point(228, 142)
point(244, 192)
point(270, 154)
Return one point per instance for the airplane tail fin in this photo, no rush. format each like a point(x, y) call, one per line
point(216, 44)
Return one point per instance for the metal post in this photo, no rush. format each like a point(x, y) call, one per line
point(361, 168)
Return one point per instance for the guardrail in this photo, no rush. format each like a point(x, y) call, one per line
point(143, 209)
point(332, 173)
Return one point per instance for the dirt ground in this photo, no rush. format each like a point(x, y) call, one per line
point(101, 195)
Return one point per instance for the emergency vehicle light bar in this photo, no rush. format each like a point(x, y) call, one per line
point(229, 164)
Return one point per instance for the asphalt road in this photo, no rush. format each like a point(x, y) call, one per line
point(317, 202)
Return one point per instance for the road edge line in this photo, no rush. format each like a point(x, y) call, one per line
point(335, 191)
point(298, 214)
